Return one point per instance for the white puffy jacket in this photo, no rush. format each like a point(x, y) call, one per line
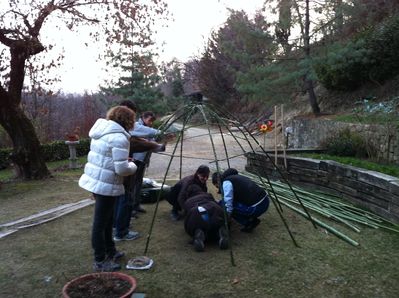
point(107, 161)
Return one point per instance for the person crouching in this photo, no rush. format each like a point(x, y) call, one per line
point(205, 221)
point(243, 199)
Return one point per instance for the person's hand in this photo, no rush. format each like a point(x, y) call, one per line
point(169, 136)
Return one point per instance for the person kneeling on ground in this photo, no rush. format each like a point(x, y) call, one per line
point(204, 220)
point(180, 191)
point(243, 199)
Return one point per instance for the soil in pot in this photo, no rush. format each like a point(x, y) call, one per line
point(99, 285)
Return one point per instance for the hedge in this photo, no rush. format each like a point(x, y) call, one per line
point(53, 151)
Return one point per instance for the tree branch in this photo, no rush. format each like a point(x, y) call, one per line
point(77, 13)
point(3, 95)
point(24, 17)
point(4, 39)
point(44, 13)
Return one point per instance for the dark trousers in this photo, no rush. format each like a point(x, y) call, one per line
point(123, 214)
point(171, 197)
point(209, 221)
point(244, 214)
point(101, 236)
point(138, 183)
point(124, 208)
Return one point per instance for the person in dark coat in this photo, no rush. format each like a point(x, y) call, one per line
point(125, 204)
point(243, 199)
point(181, 190)
point(204, 219)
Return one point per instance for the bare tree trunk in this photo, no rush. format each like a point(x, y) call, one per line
point(307, 80)
point(283, 27)
point(312, 96)
point(27, 156)
point(339, 18)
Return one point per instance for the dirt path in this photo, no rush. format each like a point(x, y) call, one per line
point(198, 149)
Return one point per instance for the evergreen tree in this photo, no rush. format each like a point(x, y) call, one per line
point(238, 45)
point(172, 85)
point(139, 82)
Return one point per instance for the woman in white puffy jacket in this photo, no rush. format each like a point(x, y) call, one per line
point(107, 163)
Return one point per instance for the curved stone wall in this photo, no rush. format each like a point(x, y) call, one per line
point(311, 133)
point(372, 190)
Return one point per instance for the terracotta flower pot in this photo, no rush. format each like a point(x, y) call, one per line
point(103, 284)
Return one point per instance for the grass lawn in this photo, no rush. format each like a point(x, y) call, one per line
point(38, 261)
point(388, 169)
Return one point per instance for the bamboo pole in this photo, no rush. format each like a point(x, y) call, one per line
point(327, 206)
point(283, 177)
point(179, 139)
point(217, 167)
point(327, 227)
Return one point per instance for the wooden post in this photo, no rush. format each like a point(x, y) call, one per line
point(275, 135)
point(283, 136)
point(264, 140)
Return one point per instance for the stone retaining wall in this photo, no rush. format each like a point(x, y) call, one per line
point(310, 133)
point(372, 190)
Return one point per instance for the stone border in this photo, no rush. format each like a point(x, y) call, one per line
point(372, 190)
point(312, 133)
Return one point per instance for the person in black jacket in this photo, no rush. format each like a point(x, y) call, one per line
point(243, 199)
point(181, 190)
point(204, 219)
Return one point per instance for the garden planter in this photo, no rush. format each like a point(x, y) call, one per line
point(103, 284)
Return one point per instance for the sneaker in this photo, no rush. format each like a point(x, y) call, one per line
point(199, 238)
point(251, 225)
point(174, 214)
point(140, 209)
point(116, 255)
point(134, 214)
point(223, 238)
point(131, 235)
point(106, 266)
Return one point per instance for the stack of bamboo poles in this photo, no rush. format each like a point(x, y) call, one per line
point(324, 205)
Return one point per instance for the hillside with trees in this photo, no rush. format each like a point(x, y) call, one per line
point(326, 55)
point(337, 47)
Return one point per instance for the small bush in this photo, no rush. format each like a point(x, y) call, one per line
point(53, 151)
point(4, 158)
point(347, 143)
point(83, 147)
point(345, 67)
